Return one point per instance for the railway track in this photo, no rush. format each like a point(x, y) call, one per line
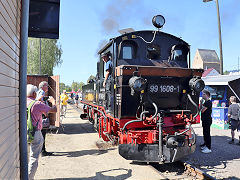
point(176, 170)
point(180, 170)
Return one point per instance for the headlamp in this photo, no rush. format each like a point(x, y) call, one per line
point(137, 84)
point(196, 84)
point(158, 21)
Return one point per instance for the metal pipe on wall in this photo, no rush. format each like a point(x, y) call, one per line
point(22, 90)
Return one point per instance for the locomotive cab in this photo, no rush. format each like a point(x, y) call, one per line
point(131, 52)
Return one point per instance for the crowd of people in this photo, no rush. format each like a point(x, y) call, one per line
point(42, 106)
point(206, 112)
point(39, 109)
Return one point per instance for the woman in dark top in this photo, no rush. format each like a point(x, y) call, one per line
point(206, 112)
point(233, 116)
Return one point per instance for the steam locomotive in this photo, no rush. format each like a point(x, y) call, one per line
point(153, 96)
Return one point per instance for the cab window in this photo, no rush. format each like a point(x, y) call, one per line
point(177, 55)
point(128, 50)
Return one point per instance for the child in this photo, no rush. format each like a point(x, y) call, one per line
point(206, 111)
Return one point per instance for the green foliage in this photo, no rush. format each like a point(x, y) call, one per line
point(90, 78)
point(64, 87)
point(77, 85)
point(225, 72)
point(50, 56)
point(74, 86)
point(68, 88)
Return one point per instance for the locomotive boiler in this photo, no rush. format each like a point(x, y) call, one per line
point(152, 98)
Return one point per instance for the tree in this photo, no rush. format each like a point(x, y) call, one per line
point(225, 72)
point(62, 87)
point(76, 86)
point(81, 84)
point(68, 88)
point(50, 56)
point(90, 78)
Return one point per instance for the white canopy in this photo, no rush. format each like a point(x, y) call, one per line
point(220, 79)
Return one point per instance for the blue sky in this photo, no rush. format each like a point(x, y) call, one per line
point(85, 25)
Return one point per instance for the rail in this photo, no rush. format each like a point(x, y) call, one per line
point(180, 170)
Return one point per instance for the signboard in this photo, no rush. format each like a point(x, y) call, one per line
point(44, 19)
point(219, 118)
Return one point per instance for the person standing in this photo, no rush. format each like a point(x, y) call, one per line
point(37, 110)
point(63, 98)
point(206, 112)
point(43, 88)
point(107, 80)
point(41, 93)
point(233, 111)
point(76, 99)
point(108, 67)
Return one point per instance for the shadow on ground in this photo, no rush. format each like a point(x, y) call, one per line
point(103, 175)
point(82, 153)
point(78, 128)
point(222, 154)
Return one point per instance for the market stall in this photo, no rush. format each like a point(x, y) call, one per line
point(222, 87)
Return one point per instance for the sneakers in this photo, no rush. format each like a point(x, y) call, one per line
point(202, 146)
point(206, 150)
point(231, 142)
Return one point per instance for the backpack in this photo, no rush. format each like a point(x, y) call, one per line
point(30, 128)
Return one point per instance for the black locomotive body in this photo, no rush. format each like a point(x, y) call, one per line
point(153, 97)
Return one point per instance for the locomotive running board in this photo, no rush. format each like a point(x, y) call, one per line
point(149, 152)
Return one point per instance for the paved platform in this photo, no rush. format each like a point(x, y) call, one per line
point(76, 156)
point(224, 161)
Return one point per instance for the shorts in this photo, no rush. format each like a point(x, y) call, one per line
point(235, 124)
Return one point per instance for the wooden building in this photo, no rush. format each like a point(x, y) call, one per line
point(53, 90)
point(14, 19)
point(10, 17)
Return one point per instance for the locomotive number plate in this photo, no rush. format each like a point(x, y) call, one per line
point(163, 88)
